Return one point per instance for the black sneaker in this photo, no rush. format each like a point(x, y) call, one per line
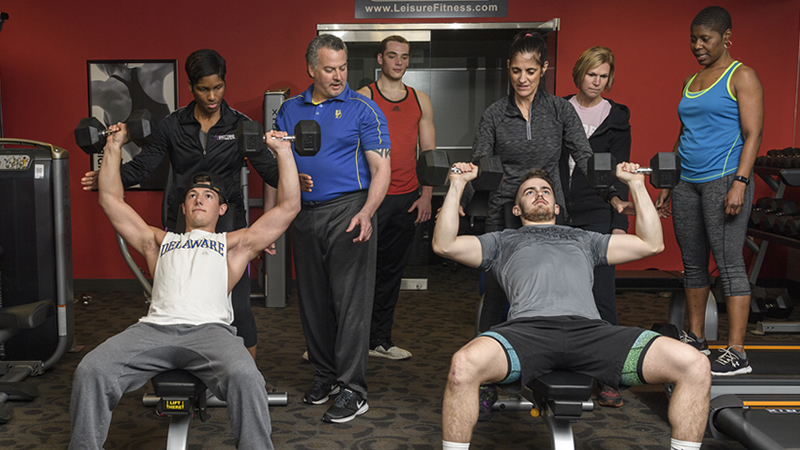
point(694, 341)
point(730, 362)
point(347, 406)
point(486, 399)
point(320, 393)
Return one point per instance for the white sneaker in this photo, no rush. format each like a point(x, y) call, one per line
point(393, 352)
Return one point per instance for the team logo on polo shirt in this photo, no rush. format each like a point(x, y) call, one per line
point(338, 113)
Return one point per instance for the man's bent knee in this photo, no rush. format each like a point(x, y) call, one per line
point(482, 360)
point(463, 369)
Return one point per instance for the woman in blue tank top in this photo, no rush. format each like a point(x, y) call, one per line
point(722, 115)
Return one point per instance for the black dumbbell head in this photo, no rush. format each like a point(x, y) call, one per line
point(433, 168)
point(790, 227)
point(140, 127)
point(307, 138)
point(601, 170)
point(249, 137)
point(89, 135)
point(755, 218)
point(490, 173)
point(666, 170)
point(781, 206)
point(762, 203)
point(771, 223)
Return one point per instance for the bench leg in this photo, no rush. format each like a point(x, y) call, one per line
point(560, 432)
point(178, 434)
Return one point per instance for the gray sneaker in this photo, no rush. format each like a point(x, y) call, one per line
point(730, 362)
point(694, 341)
point(392, 352)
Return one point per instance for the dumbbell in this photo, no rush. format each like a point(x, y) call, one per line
point(664, 170)
point(776, 209)
point(767, 210)
point(307, 137)
point(90, 134)
point(789, 226)
point(433, 168)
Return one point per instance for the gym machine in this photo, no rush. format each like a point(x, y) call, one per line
point(36, 300)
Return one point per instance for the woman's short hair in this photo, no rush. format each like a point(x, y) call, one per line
point(204, 63)
point(590, 59)
point(716, 18)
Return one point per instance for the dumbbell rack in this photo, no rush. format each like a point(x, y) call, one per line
point(777, 179)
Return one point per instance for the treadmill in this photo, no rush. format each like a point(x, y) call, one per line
point(760, 410)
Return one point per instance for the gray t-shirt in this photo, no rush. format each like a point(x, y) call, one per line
point(546, 270)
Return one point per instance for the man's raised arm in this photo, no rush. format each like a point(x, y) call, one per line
point(446, 241)
point(127, 222)
point(247, 243)
point(649, 239)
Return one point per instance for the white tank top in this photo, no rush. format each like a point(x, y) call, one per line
point(190, 284)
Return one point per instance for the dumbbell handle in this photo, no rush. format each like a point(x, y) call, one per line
point(644, 170)
point(285, 138)
point(106, 133)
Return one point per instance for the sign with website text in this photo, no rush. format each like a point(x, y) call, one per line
point(414, 9)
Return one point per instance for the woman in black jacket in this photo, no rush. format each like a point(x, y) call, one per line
point(608, 128)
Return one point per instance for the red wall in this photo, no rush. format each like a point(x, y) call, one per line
point(45, 44)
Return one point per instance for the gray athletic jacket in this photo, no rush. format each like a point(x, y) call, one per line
point(523, 146)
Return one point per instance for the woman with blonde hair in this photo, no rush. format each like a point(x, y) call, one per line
point(607, 126)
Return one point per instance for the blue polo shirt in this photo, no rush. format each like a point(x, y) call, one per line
point(351, 125)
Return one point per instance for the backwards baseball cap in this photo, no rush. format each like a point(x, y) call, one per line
point(206, 181)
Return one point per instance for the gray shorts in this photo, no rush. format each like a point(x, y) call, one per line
point(536, 346)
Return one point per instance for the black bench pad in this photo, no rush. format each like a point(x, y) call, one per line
point(27, 316)
point(177, 383)
point(563, 385)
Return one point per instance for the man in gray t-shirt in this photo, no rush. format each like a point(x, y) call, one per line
point(547, 273)
point(548, 270)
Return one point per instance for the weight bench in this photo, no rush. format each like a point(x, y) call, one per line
point(14, 319)
point(182, 396)
point(559, 397)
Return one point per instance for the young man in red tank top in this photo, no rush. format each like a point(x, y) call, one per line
point(410, 117)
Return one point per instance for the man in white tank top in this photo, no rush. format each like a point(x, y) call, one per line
point(188, 325)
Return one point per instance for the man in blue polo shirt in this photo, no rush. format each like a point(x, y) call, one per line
point(333, 253)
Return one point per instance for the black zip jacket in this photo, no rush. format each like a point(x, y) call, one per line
point(178, 135)
point(584, 203)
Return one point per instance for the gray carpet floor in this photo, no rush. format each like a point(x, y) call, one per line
point(404, 396)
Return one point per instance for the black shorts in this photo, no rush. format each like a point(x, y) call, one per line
point(538, 345)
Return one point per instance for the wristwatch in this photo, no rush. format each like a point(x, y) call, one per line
point(744, 180)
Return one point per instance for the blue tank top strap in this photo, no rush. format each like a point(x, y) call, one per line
point(725, 76)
